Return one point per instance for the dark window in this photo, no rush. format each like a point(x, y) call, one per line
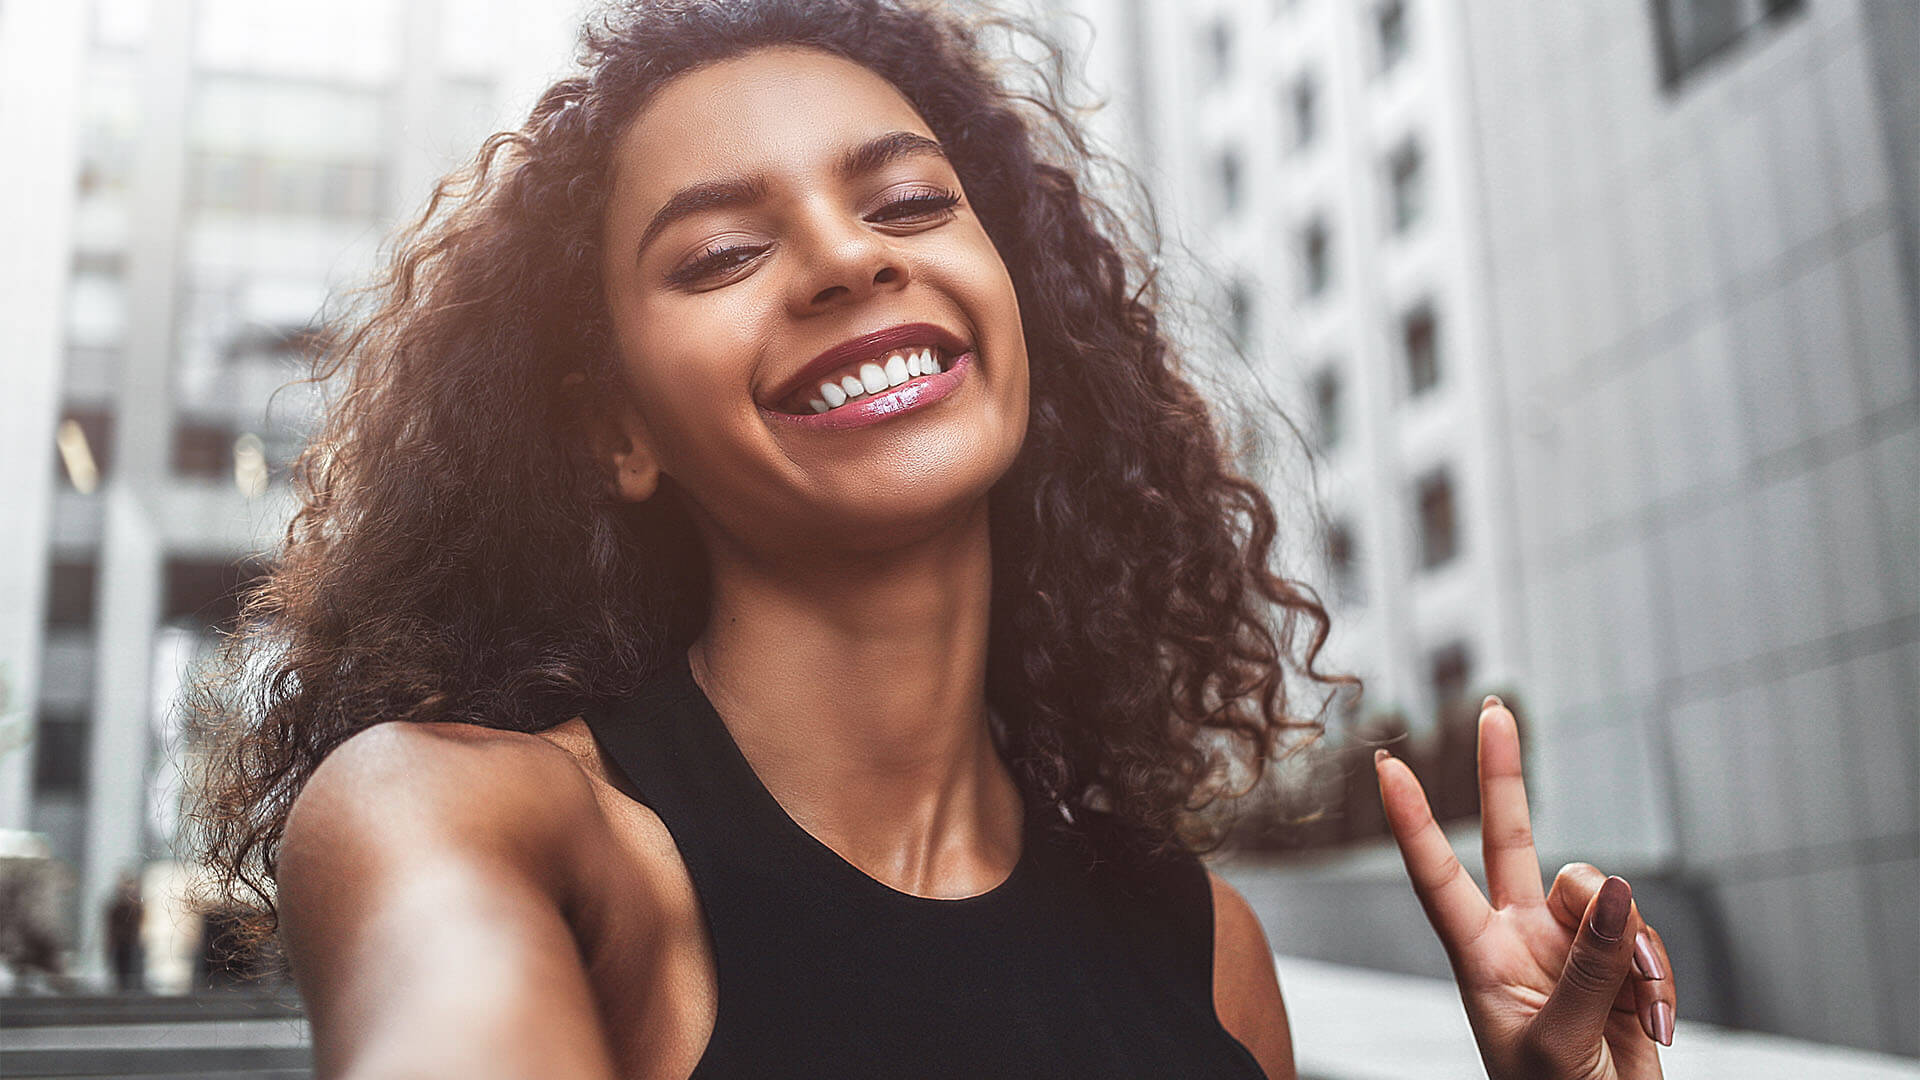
point(1343, 563)
point(1692, 32)
point(1316, 258)
point(1451, 672)
point(1304, 106)
point(84, 440)
point(1229, 168)
point(60, 755)
point(202, 449)
point(1406, 186)
point(1327, 407)
point(1439, 529)
point(70, 594)
point(206, 593)
point(1219, 50)
point(1240, 313)
point(1420, 344)
point(1390, 32)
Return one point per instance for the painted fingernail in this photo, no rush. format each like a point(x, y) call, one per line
point(1610, 912)
point(1380, 756)
point(1493, 701)
point(1663, 1023)
point(1645, 959)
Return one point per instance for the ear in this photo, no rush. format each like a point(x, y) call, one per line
point(618, 439)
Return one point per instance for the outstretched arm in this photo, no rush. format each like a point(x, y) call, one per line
point(420, 904)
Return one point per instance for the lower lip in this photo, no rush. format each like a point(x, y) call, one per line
point(908, 396)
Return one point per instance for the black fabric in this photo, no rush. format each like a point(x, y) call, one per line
point(1077, 965)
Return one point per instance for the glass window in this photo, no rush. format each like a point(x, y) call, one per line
point(1343, 563)
point(1692, 32)
point(1406, 186)
point(1439, 530)
point(1229, 174)
point(1420, 344)
point(1327, 407)
point(1240, 313)
point(84, 441)
point(1316, 258)
point(1303, 104)
point(1390, 32)
point(60, 754)
point(70, 596)
point(1450, 671)
point(202, 449)
point(1219, 51)
point(205, 593)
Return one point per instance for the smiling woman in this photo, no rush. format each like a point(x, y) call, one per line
point(767, 603)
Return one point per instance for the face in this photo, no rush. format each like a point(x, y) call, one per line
point(782, 220)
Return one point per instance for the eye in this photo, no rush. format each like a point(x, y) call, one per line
point(921, 203)
point(714, 260)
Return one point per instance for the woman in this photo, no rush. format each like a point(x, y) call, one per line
point(816, 605)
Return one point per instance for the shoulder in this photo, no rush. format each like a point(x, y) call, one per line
point(1246, 989)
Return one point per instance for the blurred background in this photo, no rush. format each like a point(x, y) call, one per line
point(1600, 320)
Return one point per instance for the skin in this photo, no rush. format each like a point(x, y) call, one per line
point(462, 901)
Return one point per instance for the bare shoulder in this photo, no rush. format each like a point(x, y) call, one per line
point(424, 882)
point(1246, 989)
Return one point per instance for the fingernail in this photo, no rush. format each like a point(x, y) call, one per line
point(1493, 701)
point(1610, 913)
point(1380, 756)
point(1663, 1023)
point(1645, 958)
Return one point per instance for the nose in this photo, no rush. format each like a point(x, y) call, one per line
point(845, 262)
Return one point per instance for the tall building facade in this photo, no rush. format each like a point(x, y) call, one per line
point(1603, 319)
point(216, 173)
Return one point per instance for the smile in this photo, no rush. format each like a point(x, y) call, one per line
point(929, 377)
point(871, 376)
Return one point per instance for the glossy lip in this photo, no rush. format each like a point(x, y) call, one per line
point(873, 408)
point(863, 348)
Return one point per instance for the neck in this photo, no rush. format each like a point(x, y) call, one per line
point(856, 690)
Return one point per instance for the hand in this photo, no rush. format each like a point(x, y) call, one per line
point(1566, 985)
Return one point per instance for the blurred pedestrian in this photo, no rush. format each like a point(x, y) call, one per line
point(124, 915)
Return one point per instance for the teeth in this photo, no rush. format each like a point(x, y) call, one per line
point(874, 376)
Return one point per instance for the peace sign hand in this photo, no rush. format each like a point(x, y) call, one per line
point(1569, 984)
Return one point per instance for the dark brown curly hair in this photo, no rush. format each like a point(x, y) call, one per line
point(458, 555)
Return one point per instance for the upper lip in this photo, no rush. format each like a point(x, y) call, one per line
point(867, 346)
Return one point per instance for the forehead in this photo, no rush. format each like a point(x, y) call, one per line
point(781, 109)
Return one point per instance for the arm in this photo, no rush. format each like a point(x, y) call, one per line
point(1246, 989)
point(421, 885)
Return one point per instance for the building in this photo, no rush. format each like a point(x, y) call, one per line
point(214, 171)
point(1603, 316)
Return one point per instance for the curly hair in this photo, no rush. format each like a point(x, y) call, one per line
point(457, 554)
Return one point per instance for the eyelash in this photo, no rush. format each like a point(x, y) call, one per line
point(715, 259)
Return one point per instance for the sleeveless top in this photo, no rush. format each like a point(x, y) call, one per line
point(1075, 966)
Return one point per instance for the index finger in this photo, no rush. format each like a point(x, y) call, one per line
point(1454, 905)
point(1506, 829)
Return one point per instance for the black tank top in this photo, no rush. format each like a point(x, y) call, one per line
point(1079, 964)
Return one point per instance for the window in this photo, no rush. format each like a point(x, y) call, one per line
point(202, 449)
point(1450, 670)
point(1406, 186)
point(206, 593)
point(1420, 345)
point(1228, 170)
point(1240, 313)
point(1343, 564)
point(1692, 32)
point(1219, 51)
point(84, 440)
point(1439, 531)
point(1327, 408)
point(1390, 32)
point(60, 754)
point(1316, 258)
point(70, 601)
point(1303, 104)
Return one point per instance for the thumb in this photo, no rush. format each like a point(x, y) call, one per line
point(1572, 1023)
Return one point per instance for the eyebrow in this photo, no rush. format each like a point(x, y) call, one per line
point(731, 191)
